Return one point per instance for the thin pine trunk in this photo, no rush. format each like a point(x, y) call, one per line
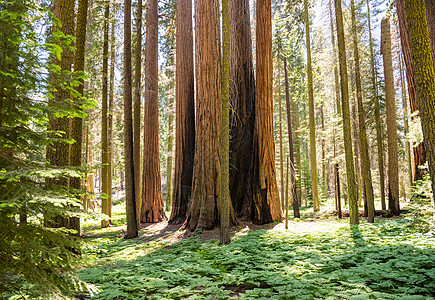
point(350, 171)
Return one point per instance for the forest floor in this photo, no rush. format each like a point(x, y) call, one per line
point(317, 257)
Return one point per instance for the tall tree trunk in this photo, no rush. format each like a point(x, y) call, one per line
point(106, 194)
point(58, 152)
point(430, 20)
point(75, 155)
point(297, 146)
point(367, 176)
point(242, 114)
point(294, 194)
point(419, 151)
point(393, 170)
point(313, 152)
point(225, 128)
point(130, 202)
point(324, 177)
point(111, 94)
point(185, 114)
point(422, 60)
point(136, 109)
point(205, 203)
point(152, 208)
point(169, 156)
point(379, 138)
point(266, 206)
point(338, 112)
point(350, 171)
point(281, 159)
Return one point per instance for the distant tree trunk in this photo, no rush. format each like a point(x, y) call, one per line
point(106, 194)
point(294, 194)
point(393, 170)
point(324, 178)
point(419, 151)
point(58, 152)
point(350, 171)
point(132, 230)
point(170, 156)
point(367, 176)
point(225, 200)
point(75, 155)
point(205, 203)
point(111, 94)
point(313, 152)
point(430, 20)
point(152, 208)
point(136, 110)
point(406, 124)
point(242, 114)
point(422, 60)
point(379, 138)
point(281, 159)
point(266, 206)
point(185, 114)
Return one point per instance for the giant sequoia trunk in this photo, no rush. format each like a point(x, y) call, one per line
point(204, 206)
point(430, 20)
point(242, 114)
point(185, 114)
point(365, 158)
point(425, 77)
point(266, 207)
point(393, 170)
point(313, 152)
point(130, 202)
point(419, 151)
point(152, 208)
point(350, 171)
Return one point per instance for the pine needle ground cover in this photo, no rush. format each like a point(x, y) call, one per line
point(385, 260)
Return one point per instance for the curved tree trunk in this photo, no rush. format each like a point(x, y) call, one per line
point(393, 170)
point(152, 208)
point(205, 203)
point(242, 114)
point(266, 207)
point(350, 171)
point(185, 114)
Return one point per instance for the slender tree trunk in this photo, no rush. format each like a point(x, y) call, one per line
point(393, 170)
point(325, 179)
point(350, 171)
point(295, 201)
point(136, 110)
point(379, 138)
point(313, 152)
point(106, 194)
point(225, 200)
point(281, 159)
point(152, 207)
point(266, 207)
point(242, 113)
point(422, 60)
point(419, 151)
point(111, 94)
point(185, 114)
point(132, 230)
point(297, 147)
point(205, 203)
point(367, 176)
point(406, 123)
